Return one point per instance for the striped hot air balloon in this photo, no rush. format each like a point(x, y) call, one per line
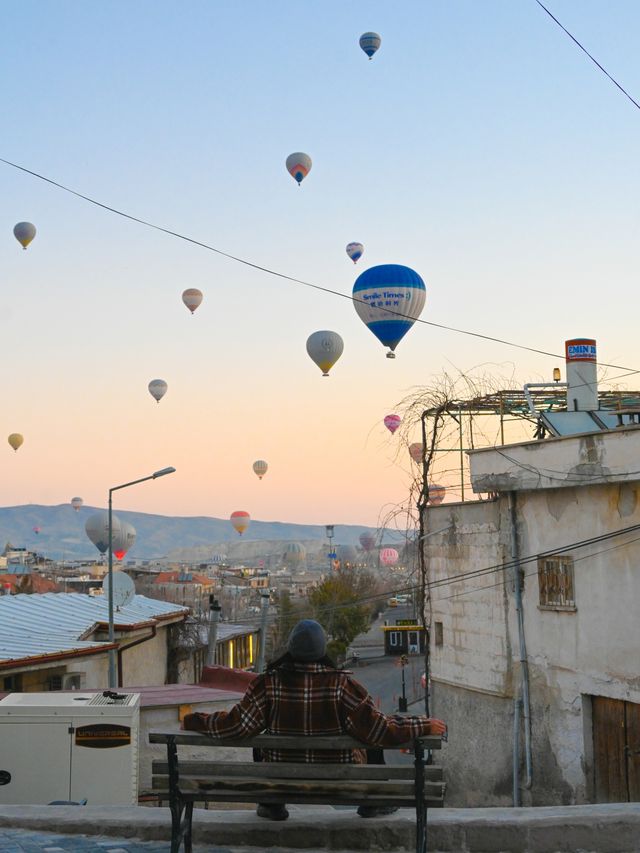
point(260, 468)
point(392, 422)
point(389, 556)
point(240, 521)
point(370, 42)
point(355, 250)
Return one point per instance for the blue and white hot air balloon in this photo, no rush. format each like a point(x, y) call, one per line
point(370, 42)
point(389, 299)
point(355, 250)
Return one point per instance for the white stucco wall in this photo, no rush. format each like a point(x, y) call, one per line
point(572, 655)
point(146, 663)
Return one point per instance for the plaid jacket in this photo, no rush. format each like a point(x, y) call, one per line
point(310, 699)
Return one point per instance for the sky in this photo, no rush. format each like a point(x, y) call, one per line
point(480, 147)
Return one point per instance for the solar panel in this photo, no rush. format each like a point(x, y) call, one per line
point(569, 423)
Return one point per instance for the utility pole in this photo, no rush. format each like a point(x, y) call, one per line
point(263, 631)
point(214, 616)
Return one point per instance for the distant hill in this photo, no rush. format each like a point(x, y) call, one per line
point(61, 533)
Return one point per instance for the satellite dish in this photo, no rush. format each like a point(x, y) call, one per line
point(123, 589)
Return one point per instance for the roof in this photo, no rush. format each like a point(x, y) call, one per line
point(54, 624)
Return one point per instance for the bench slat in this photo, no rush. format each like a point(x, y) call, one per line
point(282, 741)
point(284, 770)
point(292, 788)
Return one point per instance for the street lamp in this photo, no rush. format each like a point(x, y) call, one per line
point(112, 652)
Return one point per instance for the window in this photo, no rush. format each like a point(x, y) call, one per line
point(394, 636)
point(555, 579)
point(439, 637)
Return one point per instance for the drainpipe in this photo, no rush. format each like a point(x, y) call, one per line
point(517, 705)
point(524, 665)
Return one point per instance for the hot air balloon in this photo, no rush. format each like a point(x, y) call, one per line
point(97, 529)
point(389, 299)
point(36, 530)
point(123, 539)
point(157, 389)
point(416, 452)
point(298, 166)
point(355, 250)
point(240, 520)
point(76, 503)
point(325, 348)
point(392, 422)
point(436, 493)
point(367, 540)
point(389, 556)
point(260, 468)
point(24, 232)
point(218, 559)
point(347, 555)
point(192, 297)
point(294, 554)
point(370, 42)
point(15, 440)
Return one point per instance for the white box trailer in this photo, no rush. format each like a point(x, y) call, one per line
point(69, 746)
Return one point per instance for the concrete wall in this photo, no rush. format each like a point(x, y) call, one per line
point(572, 654)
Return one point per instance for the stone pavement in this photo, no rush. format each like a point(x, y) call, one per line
point(602, 828)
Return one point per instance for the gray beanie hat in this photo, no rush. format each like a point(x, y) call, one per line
point(307, 641)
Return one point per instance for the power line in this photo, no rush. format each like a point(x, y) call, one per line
point(284, 276)
point(487, 570)
point(591, 57)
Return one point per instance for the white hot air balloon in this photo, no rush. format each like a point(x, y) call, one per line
point(97, 529)
point(123, 540)
point(24, 232)
point(192, 297)
point(76, 503)
point(325, 348)
point(157, 389)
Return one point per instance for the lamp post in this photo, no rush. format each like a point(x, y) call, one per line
point(112, 651)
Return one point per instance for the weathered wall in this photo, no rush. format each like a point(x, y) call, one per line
point(146, 663)
point(593, 650)
point(572, 654)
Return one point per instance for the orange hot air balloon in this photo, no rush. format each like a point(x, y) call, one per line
point(240, 521)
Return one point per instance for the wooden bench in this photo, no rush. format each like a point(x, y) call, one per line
point(184, 782)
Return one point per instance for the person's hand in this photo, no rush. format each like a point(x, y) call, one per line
point(195, 722)
point(437, 727)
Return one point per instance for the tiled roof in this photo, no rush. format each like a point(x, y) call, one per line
point(55, 623)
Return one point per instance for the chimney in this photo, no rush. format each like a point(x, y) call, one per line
point(582, 379)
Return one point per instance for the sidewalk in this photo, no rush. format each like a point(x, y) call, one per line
point(603, 828)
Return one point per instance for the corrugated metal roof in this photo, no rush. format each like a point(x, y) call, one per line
point(53, 622)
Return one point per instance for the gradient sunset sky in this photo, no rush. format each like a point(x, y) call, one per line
point(479, 147)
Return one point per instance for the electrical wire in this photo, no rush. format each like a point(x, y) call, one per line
point(284, 276)
point(492, 569)
point(591, 57)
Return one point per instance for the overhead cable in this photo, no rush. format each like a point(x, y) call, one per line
point(284, 276)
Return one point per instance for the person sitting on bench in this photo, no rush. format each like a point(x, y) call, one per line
point(304, 693)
